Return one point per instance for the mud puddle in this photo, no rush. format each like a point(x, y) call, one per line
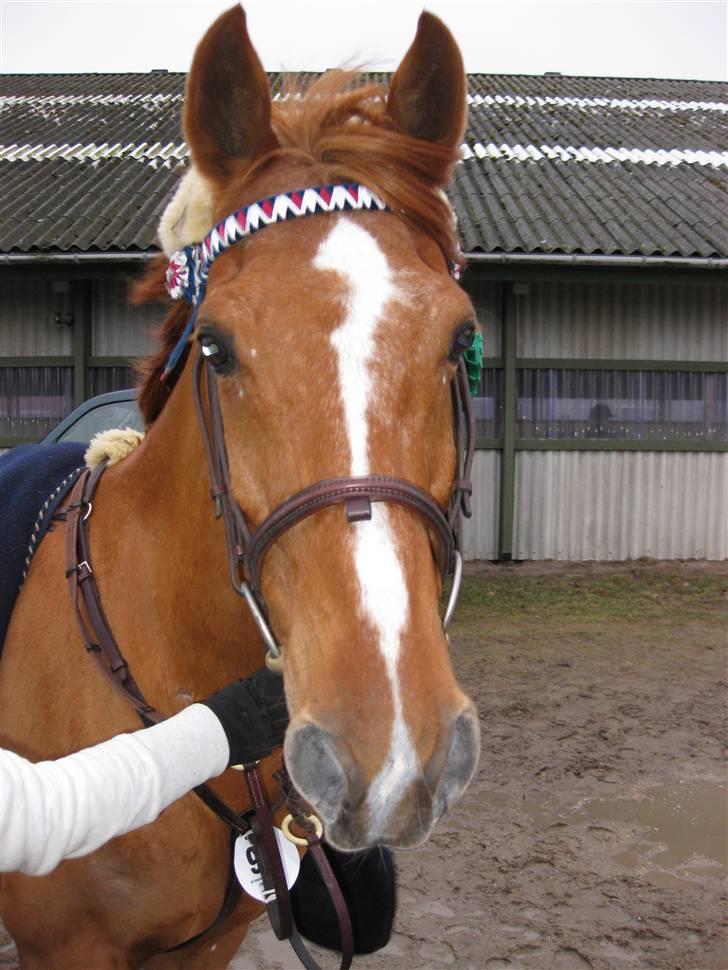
point(666, 834)
point(682, 830)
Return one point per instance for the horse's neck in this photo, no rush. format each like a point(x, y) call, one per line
point(173, 609)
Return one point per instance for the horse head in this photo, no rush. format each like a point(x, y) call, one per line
point(333, 343)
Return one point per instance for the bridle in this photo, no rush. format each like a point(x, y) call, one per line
point(246, 546)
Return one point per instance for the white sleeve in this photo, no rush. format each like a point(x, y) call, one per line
point(63, 809)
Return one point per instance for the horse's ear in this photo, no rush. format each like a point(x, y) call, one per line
point(227, 100)
point(427, 95)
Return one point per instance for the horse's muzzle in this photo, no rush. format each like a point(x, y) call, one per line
point(326, 772)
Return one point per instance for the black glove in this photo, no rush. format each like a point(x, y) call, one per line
point(253, 715)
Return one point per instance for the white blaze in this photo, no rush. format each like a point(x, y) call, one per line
point(352, 253)
point(355, 255)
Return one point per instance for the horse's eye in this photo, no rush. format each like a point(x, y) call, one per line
point(214, 350)
point(462, 340)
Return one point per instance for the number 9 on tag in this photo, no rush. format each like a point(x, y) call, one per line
point(248, 869)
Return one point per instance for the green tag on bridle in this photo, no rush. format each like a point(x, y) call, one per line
point(474, 362)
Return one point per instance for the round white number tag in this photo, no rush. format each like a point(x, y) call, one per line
point(247, 867)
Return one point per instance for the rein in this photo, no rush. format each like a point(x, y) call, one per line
point(95, 629)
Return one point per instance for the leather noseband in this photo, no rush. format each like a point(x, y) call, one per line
point(247, 548)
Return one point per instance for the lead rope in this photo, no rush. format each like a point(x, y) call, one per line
point(272, 872)
point(312, 838)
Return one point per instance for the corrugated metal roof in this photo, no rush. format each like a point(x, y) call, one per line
point(621, 208)
point(90, 206)
point(552, 164)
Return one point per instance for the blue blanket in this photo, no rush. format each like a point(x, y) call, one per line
point(34, 480)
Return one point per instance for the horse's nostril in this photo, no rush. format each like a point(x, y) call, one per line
point(458, 766)
point(314, 759)
point(434, 768)
point(324, 769)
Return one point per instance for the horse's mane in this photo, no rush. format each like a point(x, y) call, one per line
point(347, 132)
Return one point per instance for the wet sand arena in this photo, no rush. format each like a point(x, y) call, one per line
point(594, 833)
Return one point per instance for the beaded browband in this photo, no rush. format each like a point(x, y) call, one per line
point(188, 268)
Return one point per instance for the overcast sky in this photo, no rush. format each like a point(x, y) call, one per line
point(622, 38)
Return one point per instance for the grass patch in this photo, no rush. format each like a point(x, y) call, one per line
point(639, 592)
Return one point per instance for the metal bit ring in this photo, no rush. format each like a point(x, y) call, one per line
point(315, 821)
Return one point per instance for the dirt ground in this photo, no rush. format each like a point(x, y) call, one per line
point(594, 834)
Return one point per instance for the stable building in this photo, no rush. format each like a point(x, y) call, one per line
point(593, 215)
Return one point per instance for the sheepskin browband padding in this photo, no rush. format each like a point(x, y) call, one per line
point(114, 444)
point(189, 214)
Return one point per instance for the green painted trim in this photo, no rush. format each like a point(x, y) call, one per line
point(7, 442)
point(488, 444)
point(79, 342)
point(598, 444)
point(493, 363)
point(68, 361)
point(111, 361)
point(562, 363)
point(87, 303)
point(36, 361)
point(533, 273)
point(509, 324)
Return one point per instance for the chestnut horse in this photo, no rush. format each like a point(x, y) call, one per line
point(335, 343)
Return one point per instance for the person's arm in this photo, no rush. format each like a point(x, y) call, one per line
point(63, 809)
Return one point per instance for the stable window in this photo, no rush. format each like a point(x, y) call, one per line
point(488, 405)
point(103, 379)
point(33, 400)
point(61, 342)
point(629, 405)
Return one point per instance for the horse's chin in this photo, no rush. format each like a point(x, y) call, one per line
point(346, 836)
